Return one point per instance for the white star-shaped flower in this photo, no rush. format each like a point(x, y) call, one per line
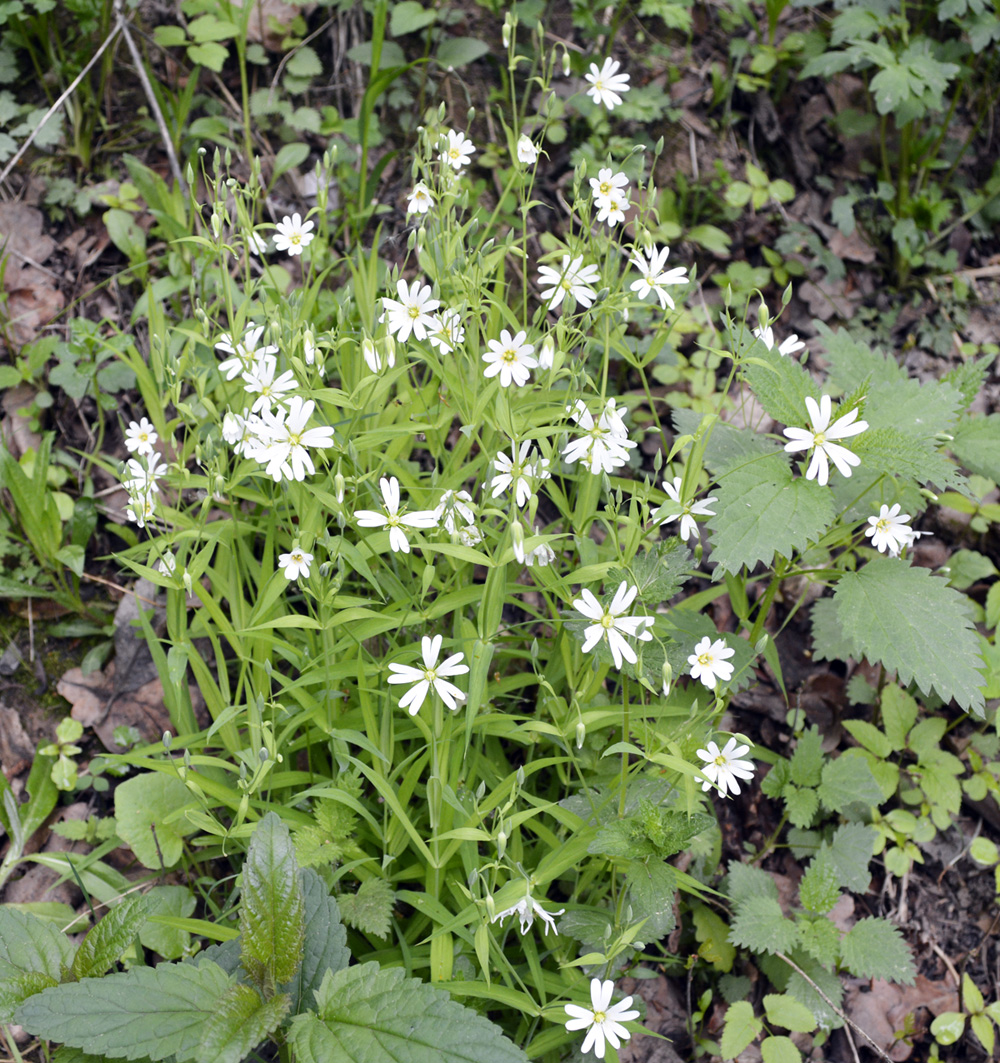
point(605, 443)
point(676, 509)
point(655, 276)
point(392, 518)
point(295, 564)
point(527, 153)
point(818, 439)
point(261, 381)
point(606, 83)
point(572, 278)
point(140, 437)
point(518, 470)
point(243, 352)
point(723, 769)
point(412, 312)
point(511, 357)
point(526, 909)
point(454, 504)
point(791, 345)
point(284, 440)
point(293, 235)
point(602, 1020)
point(889, 530)
point(432, 676)
point(709, 664)
point(458, 151)
point(610, 624)
point(420, 200)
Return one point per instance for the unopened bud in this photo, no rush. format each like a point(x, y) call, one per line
point(216, 225)
point(667, 675)
point(763, 318)
point(761, 644)
point(339, 487)
point(168, 739)
point(520, 777)
point(263, 755)
point(501, 843)
point(565, 64)
point(491, 906)
point(547, 353)
point(517, 539)
point(186, 580)
point(581, 733)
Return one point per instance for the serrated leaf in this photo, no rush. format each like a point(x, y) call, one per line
point(829, 642)
point(151, 802)
point(920, 409)
point(727, 447)
point(892, 452)
point(830, 983)
point(780, 384)
point(18, 987)
point(272, 908)
point(762, 509)
point(806, 763)
point(744, 882)
point(915, 625)
point(851, 850)
point(240, 1022)
point(652, 885)
point(370, 909)
point(741, 1028)
point(899, 713)
point(820, 939)
point(800, 804)
point(851, 362)
point(368, 1015)
point(780, 1050)
point(977, 445)
point(969, 377)
point(847, 781)
point(108, 939)
point(870, 737)
point(874, 948)
point(658, 572)
point(151, 1012)
point(34, 954)
point(819, 889)
point(759, 925)
point(325, 947)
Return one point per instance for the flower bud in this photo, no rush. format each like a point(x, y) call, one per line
point(547, 353)
point(761, 643)
point(517, 540)
point(186, 580)
point(263, 755)
point(565, 64)
point(339, 487)
point(667, 674)
point(501, 843)
point(491, 906)
point(370, 355)
point(581, 733)
point(168, 739)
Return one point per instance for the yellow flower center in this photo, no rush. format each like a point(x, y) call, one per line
point(819, 439)
point(430, 675)
point(298, 559)
point(509, 356)
point(566, 284)
point(414, 312)
point(720, 760)
point(605, 188)
point(607, 621)
point(882, 525)
point(600, 1017)
point(705, 659)
point(296, 238)
point(294, 439)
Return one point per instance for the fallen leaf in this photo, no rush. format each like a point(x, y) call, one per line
point(16, 748)
point(33, 299)
point(881, 1011)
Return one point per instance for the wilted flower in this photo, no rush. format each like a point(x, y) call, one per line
point(526, 909)
point(527, 153)
point(605, 444)
point(454, 504)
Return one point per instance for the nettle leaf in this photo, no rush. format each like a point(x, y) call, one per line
point(828, 982)
point(779, 1049)
point(652, 885)
point(848, 781)
point(800, 804)
point(780, 383)
point(892, 452)
point(915, 625)
point(241, 1021)
point(919, 410)
point(272, 909)
point(727, 446)
point(370, 909)
point(759, 925)
point(850, 852)
point(874, 948)
point(368, 1015)
point(819, 889)
point(744, 882)
point(147, 1012)
point(806, 764)
point(820, 938)
point(108, 939)
point(969, 377)
point(829, 642)
point(977, 445)
point(762, 509)
point(325, 948)
point(34, 954)
point(658, 572)
point(851, 362)
point(741, 1028)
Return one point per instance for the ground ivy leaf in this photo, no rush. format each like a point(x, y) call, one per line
point(895, 613)
point(874, 948)
point(763, 510)
point(367, 1015)
point(272, 909)
point(151, 1012)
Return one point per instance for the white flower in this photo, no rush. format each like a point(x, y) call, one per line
point(244, 352)
point(542, 555)
point(722, 768)
point(370, 355)
point(792, 345)
point(547, 353)
point(819, 436)
point(309, 348)
point(454, 504)
point(518, 470)
point(240, 431)
point(458, 151)
point(527, 153)
point(295, 564)
point(613, 209)
point(431, 677)
point(391, 517)
point(167, 565)
point(708, 662)
point(284, 438)
point(655, 277)
point(448, 332)
point(889, 530)
point(570, 279)
point(606, 83)
point(140, 510)
point(606, 184)
point(421, 199)
point(293, 235)
point(141, 479)
point(603, 1020)
point(412, 312)
point(676, 509)
point(261, 381)
point(526, 909)
point(256, 243)
point(605, 445)
point(140, 437)
point(511, 357)
point(611, 624)
point(470, 535)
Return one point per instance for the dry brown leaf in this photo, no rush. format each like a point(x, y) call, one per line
point(16, 748)
point(271, 20)
point(33, 298)
point(18, 437)
point(853, 247)
point(881, 1011)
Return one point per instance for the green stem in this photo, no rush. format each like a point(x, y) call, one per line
point(625, 737)
point(766, 602)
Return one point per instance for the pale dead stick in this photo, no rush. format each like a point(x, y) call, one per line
point(850, 1022)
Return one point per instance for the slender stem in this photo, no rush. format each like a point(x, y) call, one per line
point(765, 606)
point(625, 737)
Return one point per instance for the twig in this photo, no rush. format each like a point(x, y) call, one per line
point(154, 106)
point(55, 107)
point(854, 1047)
point(947, 962)
point(850, 1022)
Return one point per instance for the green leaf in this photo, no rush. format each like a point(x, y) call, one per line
point(984, 851)
point(726, 446)
point(659, 572)
point(169, 902)
point(241, 1021)
point(853, 362)
point(851, 850)
point(819, 889)
point(780, 1050)
point(652, 885)
point(211, 55)
point(820, 938)
point(712, 933)
point(806, 764)
point(370, 909)
point(966, 567)
point(368, 1015)
point(948, 1027)
point(915, 625)
point(763, 510)
point(325, 947)
point(272, 907)
point(829, 642)
point(870, 737)
point(780, 384)
point(108, 939)
point(304, 63)
point(848, 781)
point(759, 925)
point(33, 954)
point(982, 1027)
point(874, 948)
point(409, 17)
point(744, 881)
point(151, 1012)
point(972, 998)
point(892, 452)
point(125, 233)
point(977, 445)
point(969, 377)
point(800, 804)
point(455, 52)
point(919, 410)
point(146, 811)
point(741, 1028)
point(899, 714)
point(786, 1011)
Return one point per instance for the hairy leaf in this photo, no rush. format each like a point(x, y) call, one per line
point(977, 445)
point(819, 889)
point(34, 954)
point(852, 362)
point(658, 572)
point(760, 925)
point(874, 948)
point(851, 850)
point(915, 625)
point(969, 377)
point(744, 882)
point(152, 1012)
point(367, 1015)
point(762, 509)
point(728, 447)
point(370, 909)
point(829, 642)
point(806, 764)
point(272, 909)
point(108, 939)
point(892, 452)
point(241, 1021)
point(848, 781)
point(781, 384)
point(651, 888)
point(830, 983)
point(325, 947)
point(820, 939)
